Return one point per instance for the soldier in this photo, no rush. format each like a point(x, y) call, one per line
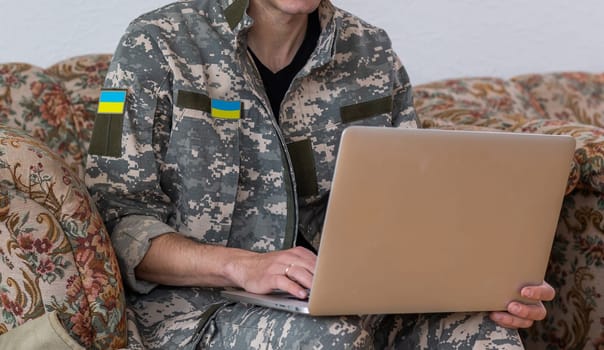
point(212, 156)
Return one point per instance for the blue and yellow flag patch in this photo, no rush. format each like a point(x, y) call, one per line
point(112, 102)
point(106, 137)
point(225, 109)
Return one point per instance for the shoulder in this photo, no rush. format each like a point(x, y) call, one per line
point(173, 16)
point(171, 12)
point(356, 31)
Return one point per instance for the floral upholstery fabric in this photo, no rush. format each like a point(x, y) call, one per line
point(576, 270)
point(483, 102)
point(577, 97)
point(54, 251)
point(560, 103)
point(55, 105)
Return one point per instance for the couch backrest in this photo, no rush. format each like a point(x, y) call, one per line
point(478, 102)
point(55, 105)
point(506, 104)
point(554, 103)
point(576, 97)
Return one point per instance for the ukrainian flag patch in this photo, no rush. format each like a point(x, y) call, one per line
point(225, 109)
point(112, 102)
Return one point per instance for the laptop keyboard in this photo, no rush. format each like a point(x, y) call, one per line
point(286, 295)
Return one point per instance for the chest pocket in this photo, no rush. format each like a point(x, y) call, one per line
point(204, 155)
point(314, 154)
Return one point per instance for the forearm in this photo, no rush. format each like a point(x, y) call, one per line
point(176, 260)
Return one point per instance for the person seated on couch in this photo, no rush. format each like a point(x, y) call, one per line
point(197, 189)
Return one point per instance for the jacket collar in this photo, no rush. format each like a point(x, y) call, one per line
point(235, 13)
point(326, 45)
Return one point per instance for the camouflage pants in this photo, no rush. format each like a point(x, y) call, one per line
point(173, 321)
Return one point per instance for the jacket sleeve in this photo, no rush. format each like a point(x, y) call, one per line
point(127, 188)
point(403, 112)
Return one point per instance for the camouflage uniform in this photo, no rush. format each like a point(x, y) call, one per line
point(246, 182)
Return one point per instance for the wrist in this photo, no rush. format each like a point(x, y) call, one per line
point(234, 266)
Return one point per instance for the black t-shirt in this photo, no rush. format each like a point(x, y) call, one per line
point(276, 84)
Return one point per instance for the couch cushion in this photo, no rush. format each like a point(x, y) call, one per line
point(484, 102)
point(576, 97)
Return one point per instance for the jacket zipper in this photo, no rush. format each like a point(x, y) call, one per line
point(291, 236)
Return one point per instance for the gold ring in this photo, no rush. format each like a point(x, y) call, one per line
point(287, 270)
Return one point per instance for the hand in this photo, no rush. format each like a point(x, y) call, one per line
point(520, 315)
point(289, 270)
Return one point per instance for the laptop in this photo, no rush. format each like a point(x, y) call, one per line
point(423, 220)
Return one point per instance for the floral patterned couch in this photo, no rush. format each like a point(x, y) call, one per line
point(55, 253)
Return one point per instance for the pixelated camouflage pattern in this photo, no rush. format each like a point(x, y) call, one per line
point(231, 182)
point(239, 326)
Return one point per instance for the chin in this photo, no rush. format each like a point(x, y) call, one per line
point(298, 7)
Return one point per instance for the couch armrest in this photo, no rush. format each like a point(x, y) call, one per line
point(589, 153)
point(55, 253)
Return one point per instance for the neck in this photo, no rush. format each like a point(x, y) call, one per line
point(275, 37)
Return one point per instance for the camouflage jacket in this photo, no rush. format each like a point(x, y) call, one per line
point(191, 162)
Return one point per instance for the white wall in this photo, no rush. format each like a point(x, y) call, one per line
point(436, 39)
point(451, 38)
